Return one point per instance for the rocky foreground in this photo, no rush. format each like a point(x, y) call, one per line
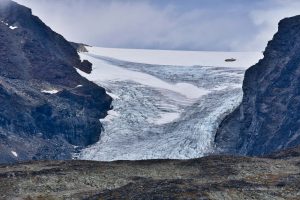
point(214, 177)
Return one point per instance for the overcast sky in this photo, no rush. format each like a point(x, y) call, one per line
point(212, 25)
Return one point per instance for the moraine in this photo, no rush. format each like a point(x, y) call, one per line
point(167, 104)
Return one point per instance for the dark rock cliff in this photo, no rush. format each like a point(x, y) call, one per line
point(46, 107)
point(269, 117)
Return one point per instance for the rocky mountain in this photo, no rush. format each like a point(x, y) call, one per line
point(48, 111)
point(46, 107)
point(269, 117)
point(214, 177)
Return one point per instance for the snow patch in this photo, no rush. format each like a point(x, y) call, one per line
point(14, 153)
point(13, 27)
point(54, 91)
point(78, 86)
point(4, 23)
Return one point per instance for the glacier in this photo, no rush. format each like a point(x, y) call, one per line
point(166, 104)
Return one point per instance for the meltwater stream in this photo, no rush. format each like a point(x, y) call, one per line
point(161, 111)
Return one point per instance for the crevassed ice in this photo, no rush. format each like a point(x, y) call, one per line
point(161, 111)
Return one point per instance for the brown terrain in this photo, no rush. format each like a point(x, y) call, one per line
point(213, 177)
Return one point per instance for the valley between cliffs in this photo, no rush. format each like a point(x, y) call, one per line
point(164, 110)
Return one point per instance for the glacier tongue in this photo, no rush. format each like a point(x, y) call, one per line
point(161, 111)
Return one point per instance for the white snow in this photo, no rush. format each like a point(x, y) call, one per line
point(114, 96)
point(13, 27)
point(165, 118)
point(54, 91)
point(107, 72)
point(14, 153)
point(179, 58)
point(4, 23)
point(111, 114)
point(78, 86)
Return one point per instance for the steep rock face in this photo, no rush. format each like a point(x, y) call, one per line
point(269, 117)
point(46, 107)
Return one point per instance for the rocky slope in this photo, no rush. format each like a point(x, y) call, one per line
point(215, 177)
point(46, 107)
point(269, 117)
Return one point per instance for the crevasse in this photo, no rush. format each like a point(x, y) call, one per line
point(161, 111)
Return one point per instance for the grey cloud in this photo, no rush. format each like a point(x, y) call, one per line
point(193, 25)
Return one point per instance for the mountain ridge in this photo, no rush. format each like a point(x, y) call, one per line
point(44, 112)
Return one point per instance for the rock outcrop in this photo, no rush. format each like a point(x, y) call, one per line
point(46, 107)
point(79, 46)
point(269, 117)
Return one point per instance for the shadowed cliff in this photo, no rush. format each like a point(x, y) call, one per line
point(269, 117)
point(46, 107)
